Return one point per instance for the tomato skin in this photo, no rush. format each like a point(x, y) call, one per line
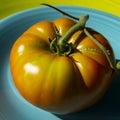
point(60, 84)
point(63, 24)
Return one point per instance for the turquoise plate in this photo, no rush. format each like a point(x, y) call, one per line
point(12, 104)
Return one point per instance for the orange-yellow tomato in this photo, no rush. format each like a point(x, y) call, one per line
point(60, 83)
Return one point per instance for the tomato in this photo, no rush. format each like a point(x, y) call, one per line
point(61, 79)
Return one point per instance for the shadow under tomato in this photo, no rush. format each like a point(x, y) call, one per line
point(107, 108)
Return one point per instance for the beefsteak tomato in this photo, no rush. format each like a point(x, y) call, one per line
point(61, 71)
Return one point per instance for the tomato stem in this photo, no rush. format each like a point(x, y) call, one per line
point(60, 44)
point(64, 13)
point(118, 65)
point(109, 58)
point(63, 41)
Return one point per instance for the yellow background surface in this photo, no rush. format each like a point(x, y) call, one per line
point(8, 7)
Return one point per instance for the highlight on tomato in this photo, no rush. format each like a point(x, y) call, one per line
point(62, 66)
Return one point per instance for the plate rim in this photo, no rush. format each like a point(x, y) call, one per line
point(60, 6)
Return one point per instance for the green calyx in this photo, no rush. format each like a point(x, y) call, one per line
point(60, 45)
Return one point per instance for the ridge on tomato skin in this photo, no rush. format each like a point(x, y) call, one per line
point(61, 82)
